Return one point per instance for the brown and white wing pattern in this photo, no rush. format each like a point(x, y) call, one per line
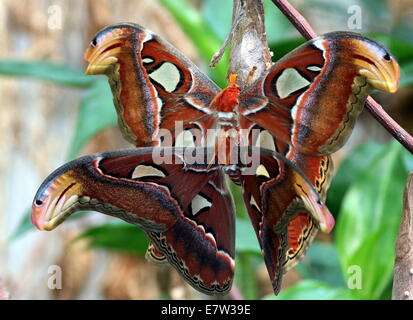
point(187, 213)
point(284, 199)
point(311, 98)
point(153, 84)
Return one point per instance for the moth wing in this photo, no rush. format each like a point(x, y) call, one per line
point(310, 98)
point(285, 210)
point(153, 84)
point(187, 211)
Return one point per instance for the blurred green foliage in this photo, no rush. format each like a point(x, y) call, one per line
point(313, 290)
point(366, 193)
point(118, 236)
point(369, 220)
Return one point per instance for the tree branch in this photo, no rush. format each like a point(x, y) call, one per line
point(376, 110)
point(403, 265)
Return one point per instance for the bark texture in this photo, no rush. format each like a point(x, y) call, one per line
point(403, 266)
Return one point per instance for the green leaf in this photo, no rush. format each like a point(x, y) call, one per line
point(219, 21)
point(388, 291)
point(375, 259)
point(201, 35)
point(247, 247)
point(403, 28)
point(117, 236)
point(246, 240)
point(313, 290)
point(26, 225)
point(237, 195)
point(96, 112)
point(369, 219)
point(46, 71)
point(356, 162)
point(281, 48)
point(407, 160)
point(277, 25)
point(244, 275)
point(279, 29)
point(321, 263)
point(402, 50)
point(406, 75)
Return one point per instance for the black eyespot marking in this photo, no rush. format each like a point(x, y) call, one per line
point(94, 42)
point(38, 203)
point(387, 57)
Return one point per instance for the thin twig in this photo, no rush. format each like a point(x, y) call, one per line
point(376, 110)
point(389, 124)
point(217, 56)
point(403, 265)
point(297, 20)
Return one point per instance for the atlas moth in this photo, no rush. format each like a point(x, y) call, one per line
point(301, 110)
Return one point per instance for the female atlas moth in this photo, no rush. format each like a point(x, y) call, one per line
point(274, 139)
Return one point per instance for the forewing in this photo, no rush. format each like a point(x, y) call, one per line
point(311, 98)
point(153, 84)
